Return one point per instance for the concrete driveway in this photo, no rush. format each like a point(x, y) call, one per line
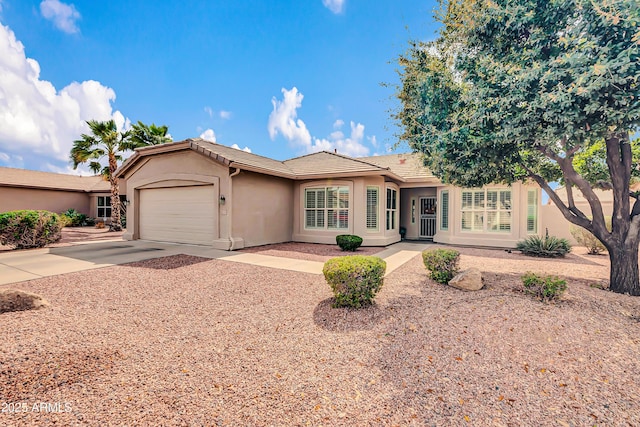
point(18, 266)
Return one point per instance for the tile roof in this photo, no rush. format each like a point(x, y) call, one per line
point(242, 159)
point(406, 165)
point(326, 163)
point(10, 177)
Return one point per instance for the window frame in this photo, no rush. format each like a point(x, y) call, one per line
point(534, 205)
point(444, 210)
point(391, 209)
point(106, 206)
point(477, 208)
point(334, 207)
point(372, 211)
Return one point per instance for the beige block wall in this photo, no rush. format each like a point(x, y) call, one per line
point(14, 198)
point(357, 212)
point(456, 236)
point(181, 168)
point(262, 209)
point(555, 222)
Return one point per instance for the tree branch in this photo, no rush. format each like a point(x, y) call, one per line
point(575, 216)
point(571, 176)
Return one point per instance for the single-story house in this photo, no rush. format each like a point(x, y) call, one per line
point(202, 193)
point(55, 192)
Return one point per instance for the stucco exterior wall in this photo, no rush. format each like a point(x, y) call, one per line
point(357, 212)
point(181, 168)
point(504, 239)
point(16, 198)
point(262, 209)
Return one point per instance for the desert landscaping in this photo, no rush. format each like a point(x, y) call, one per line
point(184, 340)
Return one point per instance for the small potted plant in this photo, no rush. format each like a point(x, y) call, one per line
point(403, 232)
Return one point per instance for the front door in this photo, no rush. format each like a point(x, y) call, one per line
point(427, 217)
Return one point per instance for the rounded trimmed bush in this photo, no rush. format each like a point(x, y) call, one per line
point(348, 242)
point(354, 280)
point(29, 229)
point(442, 264)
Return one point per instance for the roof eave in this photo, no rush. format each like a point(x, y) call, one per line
point(40, 187)
point(354, 174)
point(263, 171)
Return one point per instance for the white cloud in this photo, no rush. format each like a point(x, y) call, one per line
point(245, 149)
point(208, 135)
point(38, 122)
point(224, 115)
point(284, 120)
point(351, 146)
point(64, 16)
point(335, 6)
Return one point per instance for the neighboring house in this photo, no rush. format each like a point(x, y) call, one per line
point(556, 224)
point(198, 192)
point(55, 192)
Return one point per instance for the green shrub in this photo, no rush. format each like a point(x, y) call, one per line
point(443, 264)
point(29, 229)
point(354, 280)
point(348, 242)
point(585, 238)
point(548, 246)
point(546, 288)
point(73, 218)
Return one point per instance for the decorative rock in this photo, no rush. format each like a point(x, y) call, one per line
point(468, 280)
point(14, 300)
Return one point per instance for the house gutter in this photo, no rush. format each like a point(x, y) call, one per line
point(230, 209)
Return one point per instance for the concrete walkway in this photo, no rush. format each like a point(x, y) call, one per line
point(24, 265)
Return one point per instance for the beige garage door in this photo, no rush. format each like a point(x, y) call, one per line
point(178, 214)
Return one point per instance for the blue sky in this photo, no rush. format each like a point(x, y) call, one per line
point(279, 78)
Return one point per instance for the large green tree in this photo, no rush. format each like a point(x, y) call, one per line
point(105, 141)
point(534, 89)
point(143, 135)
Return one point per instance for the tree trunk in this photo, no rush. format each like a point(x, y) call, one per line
point(116, 224)
point(624, 278)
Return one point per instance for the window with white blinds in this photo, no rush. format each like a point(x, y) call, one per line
point(444, 210)
point(532, 211)
point(486, 210)
point(326, 208)
point(373, 200)
point(392, 208)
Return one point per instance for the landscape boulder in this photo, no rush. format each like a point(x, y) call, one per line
point(468, 280)
point(14, 300)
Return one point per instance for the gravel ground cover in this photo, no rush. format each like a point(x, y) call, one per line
point(188, 341)
point(309, 251)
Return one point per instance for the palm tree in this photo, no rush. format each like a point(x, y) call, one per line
point(143, 135)
point(107, 141)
